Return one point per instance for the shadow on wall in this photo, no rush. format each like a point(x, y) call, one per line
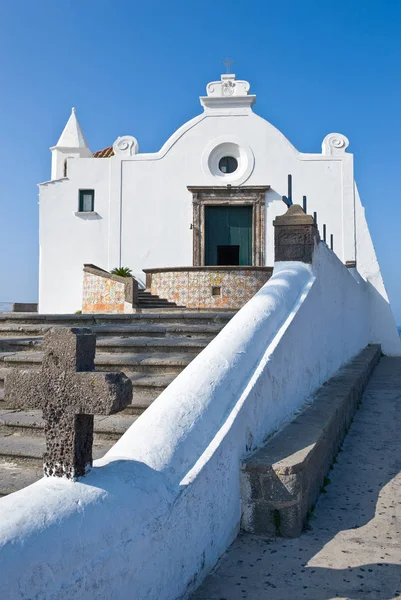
point(383, 328)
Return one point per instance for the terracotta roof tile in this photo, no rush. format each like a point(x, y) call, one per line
point(105, 153)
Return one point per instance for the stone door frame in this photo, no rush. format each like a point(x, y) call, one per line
point(253, 195)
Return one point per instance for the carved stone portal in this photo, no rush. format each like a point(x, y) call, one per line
point(233, 196)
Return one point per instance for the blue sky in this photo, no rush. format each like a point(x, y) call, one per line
point(138, 68)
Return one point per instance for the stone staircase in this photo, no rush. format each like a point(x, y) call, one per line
point(148, 300)
point(151, 348)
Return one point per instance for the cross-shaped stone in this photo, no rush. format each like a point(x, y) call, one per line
point(228, 62)
point(70, 392)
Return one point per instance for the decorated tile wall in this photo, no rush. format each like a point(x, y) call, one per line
point(102, 295)
point(207, 288)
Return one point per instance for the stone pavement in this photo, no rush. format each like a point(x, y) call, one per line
point(352, 548)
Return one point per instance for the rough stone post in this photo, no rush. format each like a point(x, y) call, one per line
point(70, 392)
point(295, 235)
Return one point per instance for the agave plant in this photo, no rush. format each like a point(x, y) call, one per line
point(122, 272)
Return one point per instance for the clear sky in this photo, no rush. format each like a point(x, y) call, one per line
point(138, 67)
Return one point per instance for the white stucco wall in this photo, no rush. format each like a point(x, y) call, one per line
point(383, 326)
point(159, 509)
point(145, 210)
point(68, 241)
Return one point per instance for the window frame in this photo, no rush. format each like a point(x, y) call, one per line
point(81, 195)
point(231, 161)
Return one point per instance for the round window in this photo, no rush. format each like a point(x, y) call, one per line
point(228, 164)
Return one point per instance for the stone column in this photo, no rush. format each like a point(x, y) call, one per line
point(295, 236)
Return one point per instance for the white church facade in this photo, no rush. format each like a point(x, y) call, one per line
point(118, 207)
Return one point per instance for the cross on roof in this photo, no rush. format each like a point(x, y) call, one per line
point(228, 62)
point(70, 392)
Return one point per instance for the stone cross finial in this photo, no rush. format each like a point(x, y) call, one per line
point(70, 392)
point(227, 63)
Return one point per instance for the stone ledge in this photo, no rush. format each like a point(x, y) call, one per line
point(86, 213)
point(212, 268)
point(281, 482)
point(22, 307)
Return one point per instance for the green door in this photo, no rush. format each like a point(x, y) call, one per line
point(228, 235)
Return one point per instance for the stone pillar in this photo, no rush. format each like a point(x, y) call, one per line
point(295, 236)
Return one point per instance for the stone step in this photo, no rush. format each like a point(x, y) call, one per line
point(134, 362)
point(146, 388)
point(150, 298)
point(19, 343)
point(152, 347)
point(138, 344)
point(116, 344)
point(207, 331)
point(157, 304)
point(31, 422)
point(14, 476)
point(23, 449)
point(147, 304)
point(166, 316)
point(200, 330)
point(151, 363)
point(145, 296)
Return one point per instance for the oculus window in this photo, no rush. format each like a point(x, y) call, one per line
point(86, 200)
point(228, 164)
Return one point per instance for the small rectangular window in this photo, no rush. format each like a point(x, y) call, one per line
point(86, 200)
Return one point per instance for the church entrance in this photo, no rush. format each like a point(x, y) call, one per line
point(228, 235)
point(228, 225)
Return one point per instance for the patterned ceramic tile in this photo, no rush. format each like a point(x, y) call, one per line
point(194, 288)
point(102, 295)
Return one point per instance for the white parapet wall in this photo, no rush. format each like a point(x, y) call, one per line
point(154, 515)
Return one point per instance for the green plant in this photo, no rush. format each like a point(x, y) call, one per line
point(122, 272)
point(78, 312)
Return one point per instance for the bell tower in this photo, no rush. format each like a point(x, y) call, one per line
point(72, 144)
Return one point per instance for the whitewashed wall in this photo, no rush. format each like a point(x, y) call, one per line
point(145, 209)
point(382, 323)
point(68, 241)
point(158, 510)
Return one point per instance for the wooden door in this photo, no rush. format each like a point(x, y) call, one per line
point(228, 235)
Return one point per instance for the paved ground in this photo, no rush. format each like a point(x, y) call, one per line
point(352, 549)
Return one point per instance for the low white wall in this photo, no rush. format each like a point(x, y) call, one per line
point(159, 509)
